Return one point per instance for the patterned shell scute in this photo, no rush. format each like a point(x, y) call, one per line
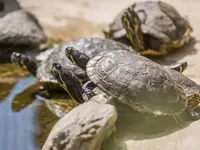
point(159, 20)
point(89, 46)
point(161, 17)
point(137, 79)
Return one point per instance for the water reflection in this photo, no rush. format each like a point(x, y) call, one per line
point(17, 129)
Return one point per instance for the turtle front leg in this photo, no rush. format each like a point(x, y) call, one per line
point(88, 89)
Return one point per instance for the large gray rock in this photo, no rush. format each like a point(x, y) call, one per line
point(84, 128)
point(20, 28)
point(7, 6)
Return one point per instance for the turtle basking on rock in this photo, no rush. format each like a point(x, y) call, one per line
point(40, 66)
point(87, 129)
point(136, 81)
point(151, 27)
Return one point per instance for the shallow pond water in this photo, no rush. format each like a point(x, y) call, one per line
point(22, 126)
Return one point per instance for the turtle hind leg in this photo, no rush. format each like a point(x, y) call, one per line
point(193, 103)
point(132, 25)
point(192, 115)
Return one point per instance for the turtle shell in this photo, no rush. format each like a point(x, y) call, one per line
point(190, 87)
point(89, 46)
point(161, 23)
point(136, 81)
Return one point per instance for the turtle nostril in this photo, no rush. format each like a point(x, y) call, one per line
point(57, 66)
point(69, 50)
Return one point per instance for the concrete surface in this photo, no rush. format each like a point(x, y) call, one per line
point(69, 19)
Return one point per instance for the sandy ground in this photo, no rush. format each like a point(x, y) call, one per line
point(70, 19)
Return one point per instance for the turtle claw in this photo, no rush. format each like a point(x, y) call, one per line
point(178, 119)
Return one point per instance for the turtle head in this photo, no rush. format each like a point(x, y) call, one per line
point(132, 25)
point(25, 62)
point(68, 81)
point(76, 57)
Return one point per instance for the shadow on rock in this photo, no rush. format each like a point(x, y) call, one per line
point(7, 6)
point(132, 125)
point(178, 54)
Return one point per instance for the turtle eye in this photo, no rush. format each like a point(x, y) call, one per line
point(57, 66)
point(16, 56)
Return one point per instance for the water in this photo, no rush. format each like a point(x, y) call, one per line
point(17, 129)
point(22, 126)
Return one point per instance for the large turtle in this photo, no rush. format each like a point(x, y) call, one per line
point(151, 27)
point(97, 126)
point(136, 81)
point(40, 66)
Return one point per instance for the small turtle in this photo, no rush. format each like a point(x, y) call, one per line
point(40, 66)
point(136, 81)
point(152, 28)
point(66, 81)
point(54, 140)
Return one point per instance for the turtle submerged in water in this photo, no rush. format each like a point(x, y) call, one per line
point(151, 27)
point(136, 81)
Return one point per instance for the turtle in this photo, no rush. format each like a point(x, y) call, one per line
point(40, 66)
point(66, 128)
point(152, 27)
point(66, 81)
point(137, 82)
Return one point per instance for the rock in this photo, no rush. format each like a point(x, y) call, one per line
point(19, 31)
point(21, 28)
point(7, 6)
point(83, 128)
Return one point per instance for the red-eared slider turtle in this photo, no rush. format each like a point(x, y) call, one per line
point(40, 66)
point(42, 69)
point(137, 82)
point(152, 28)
